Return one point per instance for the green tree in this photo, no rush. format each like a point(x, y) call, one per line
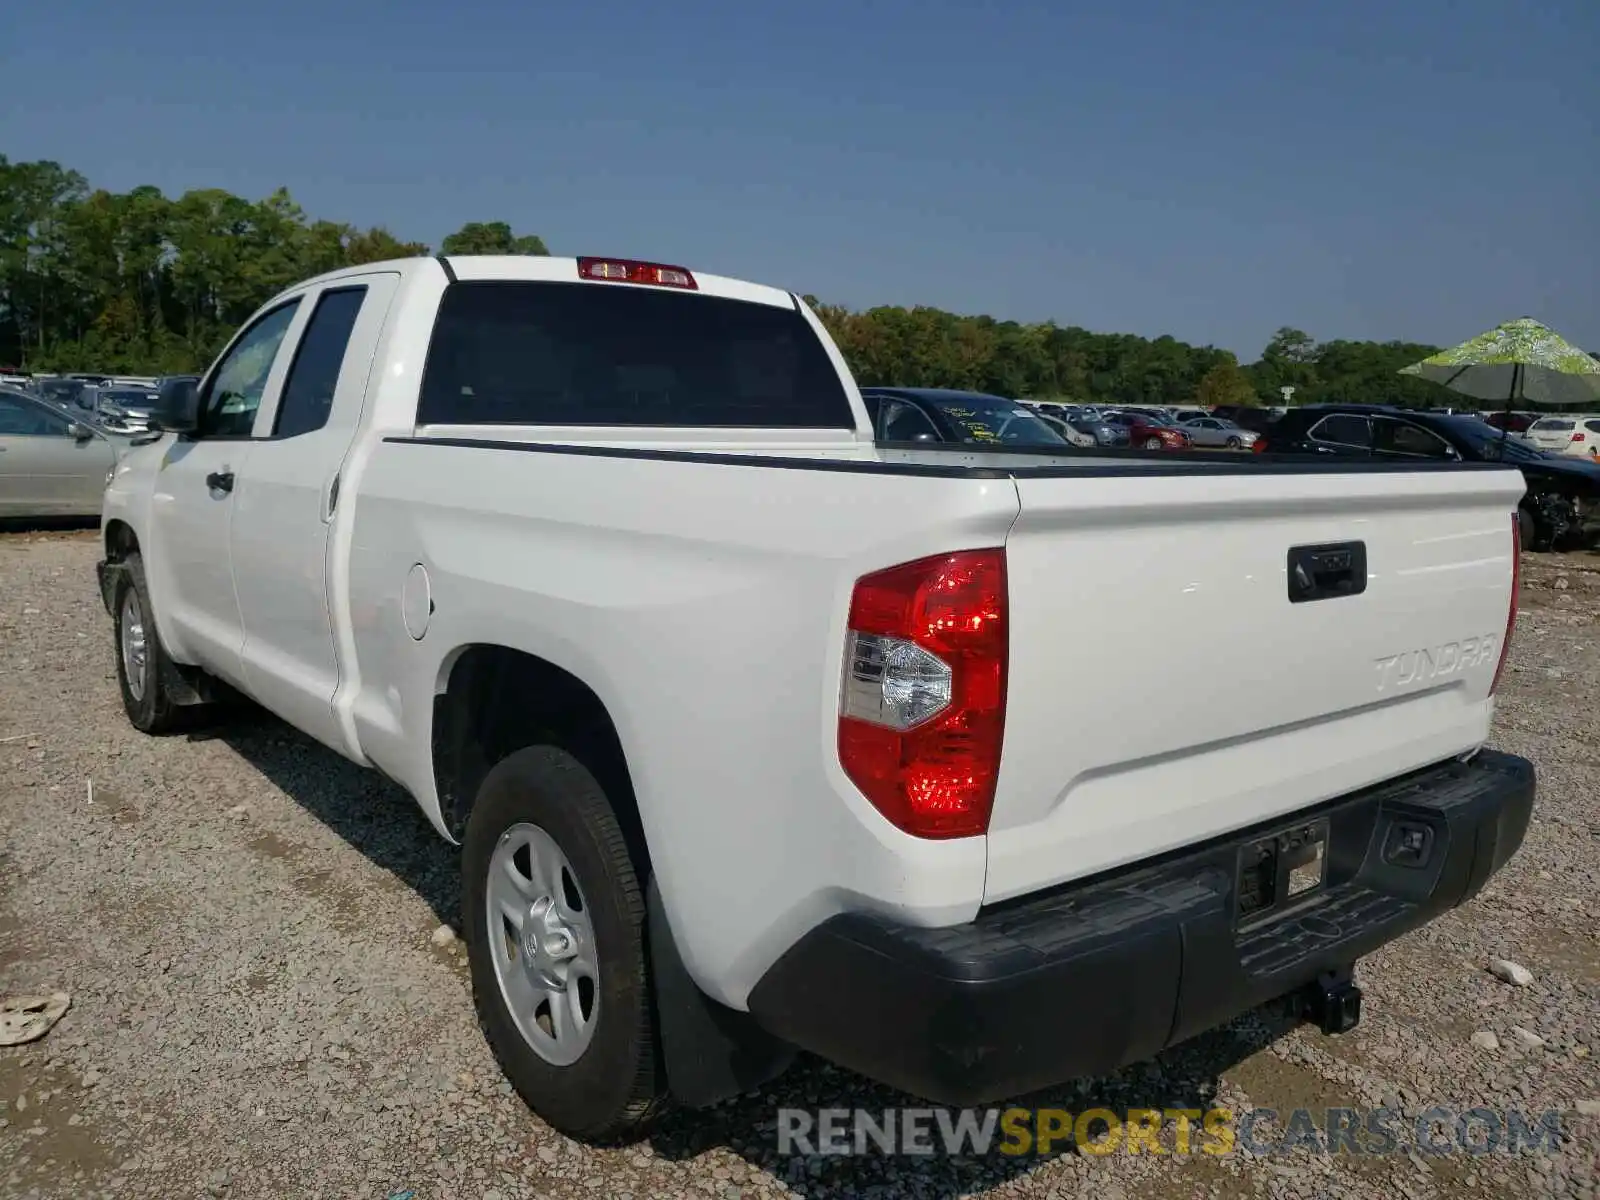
point(140, 281)
point(491, 237)
point(1225, 383)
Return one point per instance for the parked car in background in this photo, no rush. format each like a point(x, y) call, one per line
point(1516, 422)
point(1218, 431)
point(1561, 505)
point(50, 464)
point(127, 410)
point(1072, 435)
point(1578, 436)
point(1247, 416)
point(68, 392)
point(942, 415)
point(1149, 430)
point(1104, 433)
point(1184, 415)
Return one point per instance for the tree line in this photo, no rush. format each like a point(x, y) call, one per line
point(142, 282)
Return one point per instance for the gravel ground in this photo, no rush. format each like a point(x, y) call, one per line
point(259, 1006)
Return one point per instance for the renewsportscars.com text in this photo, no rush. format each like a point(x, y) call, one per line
point(1438, 1130)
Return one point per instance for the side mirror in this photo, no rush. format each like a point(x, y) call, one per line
point(178, 406)
point(79, 433)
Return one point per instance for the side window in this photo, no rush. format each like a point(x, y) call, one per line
point(18, 418)
point(1343, 429)
point(308, 391)
point(902, 422)
point(234, 395)
point(1592, 426)
point(1401, 437)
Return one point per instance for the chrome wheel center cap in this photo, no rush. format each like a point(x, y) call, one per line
point(547, 940)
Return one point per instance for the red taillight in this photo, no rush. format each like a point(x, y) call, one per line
point(1516, 598)
point(922, 706)
point(628, 270)
point(1577, 437)
point(1259, 446)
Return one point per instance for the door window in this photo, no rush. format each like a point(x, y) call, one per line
point(314, 374)
point(1343, 429)
point(1402, 437)
point(234, 394)
point(19, 418)
point(902, 422)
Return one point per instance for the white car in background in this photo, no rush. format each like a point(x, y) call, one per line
point(1576, 435)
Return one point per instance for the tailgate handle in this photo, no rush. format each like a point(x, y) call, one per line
point(1324, 572)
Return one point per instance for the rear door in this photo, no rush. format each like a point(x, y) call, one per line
point(288, 496)
point(1213, 692)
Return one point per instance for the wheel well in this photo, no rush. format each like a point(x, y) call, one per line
point(121, 541)
point(496, 701)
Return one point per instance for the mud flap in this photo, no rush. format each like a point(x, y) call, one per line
point(712, 1053)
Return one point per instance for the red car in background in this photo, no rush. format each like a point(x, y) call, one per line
point(1511, 422)
point(1150, 430)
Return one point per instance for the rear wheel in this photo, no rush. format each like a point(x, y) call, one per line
point(1153, 443)
point(1527, 527)
point(554, 916)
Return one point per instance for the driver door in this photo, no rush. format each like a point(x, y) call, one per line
point(191, 571)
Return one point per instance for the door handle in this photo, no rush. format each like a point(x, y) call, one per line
point(220, 481)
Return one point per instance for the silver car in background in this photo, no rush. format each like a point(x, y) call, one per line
point(1100, 431)
point(51, 463)
point(1218, 431)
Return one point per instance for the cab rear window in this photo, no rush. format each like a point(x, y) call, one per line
point(543, 353)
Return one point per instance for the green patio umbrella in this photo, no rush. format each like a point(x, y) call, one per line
point(1521, 360)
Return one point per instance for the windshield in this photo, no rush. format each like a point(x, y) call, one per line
point(992, 419)
point(1551, 425)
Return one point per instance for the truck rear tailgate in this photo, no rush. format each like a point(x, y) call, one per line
point(1164, 688)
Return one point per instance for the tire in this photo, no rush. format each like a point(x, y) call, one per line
point(1152, 443)
point(1527, 528)
point(1233, 443)
point(143, 667)
point(614, 1085)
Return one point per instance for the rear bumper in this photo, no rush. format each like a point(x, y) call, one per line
point(1082, 980)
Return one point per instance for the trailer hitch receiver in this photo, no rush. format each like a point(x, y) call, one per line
point(1333, 1002)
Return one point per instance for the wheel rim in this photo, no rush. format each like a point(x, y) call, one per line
point(1152, 444)
point(134, 650)
point(541, 940)
point(1233, 443)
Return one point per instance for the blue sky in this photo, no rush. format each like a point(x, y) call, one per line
point(1417, 170)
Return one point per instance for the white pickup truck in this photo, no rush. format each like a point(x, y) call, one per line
point(970, 769)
